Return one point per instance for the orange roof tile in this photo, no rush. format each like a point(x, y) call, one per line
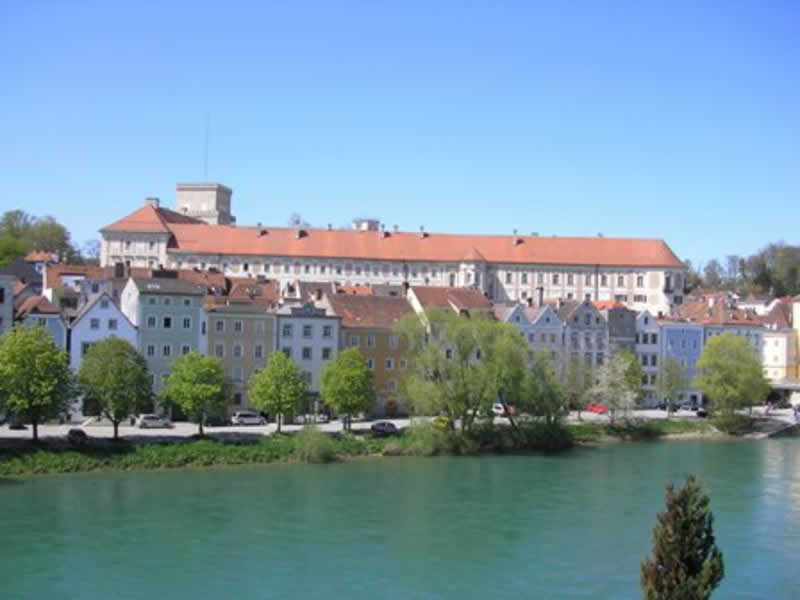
point(379, 312)
point(447, 297)
point(432, 247)
point(151, 219)
point(36, 305)
point(41, 256)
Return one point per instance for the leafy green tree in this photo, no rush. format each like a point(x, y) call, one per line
point(198, 386)
point(576, 383)
point(686, 563)
point(460, 365)
point(11, 248)
point(544, 396)
point(671, 382)
point(35, 379)
point(115, 378)
point(730, 375)
point(278, 388)
point(348, 384)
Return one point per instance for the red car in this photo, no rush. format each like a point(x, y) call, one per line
point(599, 409)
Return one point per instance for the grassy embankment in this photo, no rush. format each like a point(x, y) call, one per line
point(312, 446)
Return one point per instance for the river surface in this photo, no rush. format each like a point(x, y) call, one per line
point(568, 526)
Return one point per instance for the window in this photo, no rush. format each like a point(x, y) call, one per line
point(570, 279)
point(237, 398)
point(637, 338)
point(185, 349)
point(540, 277)
point(103, 302)
point(587, 319)
point(640, 298)
point(327, 331)
point(322, 269)
point(645, 378)
point(238, 326)
point(187, 301)
point(167, 322)
point(219, 325)
point(392, 340)
point(621, 297)
point(287, 351)
point(391, 386)
point(306, 352)
point(389, 364)
point(371, 364)
point(604, 280)
point(85, 348)
point(237, 351)
point(203, 328)
point(370, 341)
point(652, 379)
point(151, 350)
point(555, 278)
point(508, 277)
point(326, 353)
point(94, 324)
point(524, 278)
point(167, 301)
point(238, 374)
point(587, 279)
point(653, 360)
point(166, 350)
point(402, 363)
point(644, 360)
point(286, 330)
point(620, 280)
point(552, 338)
point(219, 350)
point(353, 341)
point(151, 300)
point(599, 358)
point(307, 377)
point(152, 245)
point(544, 337)
point(187, 323)
point(307, 331)
point(112, 324)
point(448, 354)
point(653, 338)
point(259, 351)
point(640, 281)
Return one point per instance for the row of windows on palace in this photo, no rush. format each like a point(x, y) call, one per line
point(385, 270)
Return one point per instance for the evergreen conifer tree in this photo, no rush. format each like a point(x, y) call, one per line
point(686, 563)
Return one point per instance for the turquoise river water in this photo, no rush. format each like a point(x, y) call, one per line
point(568, 526)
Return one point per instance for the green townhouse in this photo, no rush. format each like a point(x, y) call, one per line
point(171, 321)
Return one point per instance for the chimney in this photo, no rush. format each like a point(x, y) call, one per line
point(395, 228)
point(300, 233)
point(383, 232)
point(540, 291)
point(330, 227)
point(154, 202)
point(534, 234)
point(422, 231)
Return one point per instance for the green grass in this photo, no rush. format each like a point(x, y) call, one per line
point(636, 430)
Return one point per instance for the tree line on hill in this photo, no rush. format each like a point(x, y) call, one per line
point(774, 270)
point(20, 233)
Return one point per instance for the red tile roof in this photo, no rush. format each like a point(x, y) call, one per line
point(36, 305)
point(41, 256)
point(608, 304)
point(379, 312)
point(354, 290)
point(259, 292)
point(451, 297)
point(721, 313)
point(151, 219)
point(403, 246)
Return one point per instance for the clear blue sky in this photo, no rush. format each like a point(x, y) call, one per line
point(667, 119)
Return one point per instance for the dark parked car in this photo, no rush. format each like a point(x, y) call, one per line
point(77, 437)
point(384, 429)
point(216, 421)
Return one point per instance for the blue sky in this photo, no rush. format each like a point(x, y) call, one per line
point(672, 119)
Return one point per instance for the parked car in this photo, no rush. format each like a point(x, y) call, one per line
point(247, 417)
point(702, 413)
point(599, 409)
point(689, 406)
point(77, 437)
point(384, 429)
point(215, 421)
point(499, 411)
point(151, 421)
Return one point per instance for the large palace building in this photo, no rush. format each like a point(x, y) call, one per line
point(203, 234)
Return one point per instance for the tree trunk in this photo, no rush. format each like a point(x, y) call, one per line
point(278, 419)
point(116, 429)
point(200, 423)
point(35, 424)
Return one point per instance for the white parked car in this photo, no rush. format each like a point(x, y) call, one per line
point(152, 421)
point(247, 417)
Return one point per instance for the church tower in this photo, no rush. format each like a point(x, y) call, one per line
point(210, 202)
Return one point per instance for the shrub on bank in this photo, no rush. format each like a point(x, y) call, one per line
point(313, 446)
point(734, 424)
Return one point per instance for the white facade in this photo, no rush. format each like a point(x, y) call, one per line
point(100, 320)
point(648, 351)
point(310, 337)
point(779, 354)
